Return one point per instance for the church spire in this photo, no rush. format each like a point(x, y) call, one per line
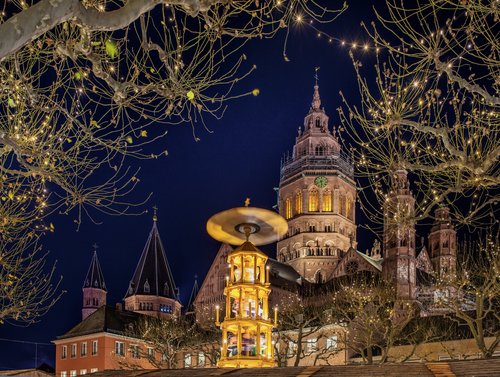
point(152, 275)
point(316, 102)
point(95, 277)
point(94, 288)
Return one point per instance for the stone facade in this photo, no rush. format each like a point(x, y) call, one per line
point(442, 243)
point(101, 340)
point(399, 265)
point(317, 196)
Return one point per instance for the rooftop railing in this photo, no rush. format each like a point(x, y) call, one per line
point(292, 166)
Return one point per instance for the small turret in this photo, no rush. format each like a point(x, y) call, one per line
point(94, 288)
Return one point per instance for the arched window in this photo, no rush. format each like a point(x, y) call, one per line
point(319, 150)
point(320, 277)
point(146, 286)
point(298, 203)
point(349, 208)
point(313, 200)
point(327, 200)
point(318, 122)
point(288, 208)
point(342, 205)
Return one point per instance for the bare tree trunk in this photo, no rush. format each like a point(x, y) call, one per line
point(299, 347)
point(369, 355)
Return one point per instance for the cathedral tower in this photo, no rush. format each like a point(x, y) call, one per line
point(399, 264)
point(94, 288)
point(317, 196)
point(152, 290)
point(443, 243)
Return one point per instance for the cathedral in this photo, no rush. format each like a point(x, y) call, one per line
point(317, 197)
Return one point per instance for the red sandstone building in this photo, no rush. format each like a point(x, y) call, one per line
point(317, 196)
point(102, 340)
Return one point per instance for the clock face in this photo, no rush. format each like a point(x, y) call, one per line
point(320, 181)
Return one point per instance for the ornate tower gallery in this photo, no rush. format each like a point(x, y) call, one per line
point(317, 196)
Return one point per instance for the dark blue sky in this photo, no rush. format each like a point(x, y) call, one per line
point(239, 159)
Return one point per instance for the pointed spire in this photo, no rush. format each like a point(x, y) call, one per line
point(155, 217)
point(95, 277)
point(192, 297)
point(152, 275)
point(316, 102)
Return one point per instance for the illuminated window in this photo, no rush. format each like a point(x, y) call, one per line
point(165, 308)
point(311, 345)
point(83, 349)
point(134, 352)
point(93, 370)
point(119, 348)
point(72, 373)
point(64, 373)
point(292, 348)
point(187, 360)
point(313, 200)
point(83, 372)
point(201, 359)
point(327, 201)
point(288, 208)
point(298, 202)
point(331, 342)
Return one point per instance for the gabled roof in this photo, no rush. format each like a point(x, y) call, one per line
point(377, 263)
point(424, 261)
point(283, 275)
point(95, 277)
point(192, 297)
point(152, 275)
point(105, 319)
point(352, 253)
point(217, 268)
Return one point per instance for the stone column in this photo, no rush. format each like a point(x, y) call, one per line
point(336, 200)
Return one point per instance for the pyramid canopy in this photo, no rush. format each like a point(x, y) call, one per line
point(152, 275)
point(95, 277)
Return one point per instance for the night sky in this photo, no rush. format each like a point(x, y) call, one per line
point(240, 158)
